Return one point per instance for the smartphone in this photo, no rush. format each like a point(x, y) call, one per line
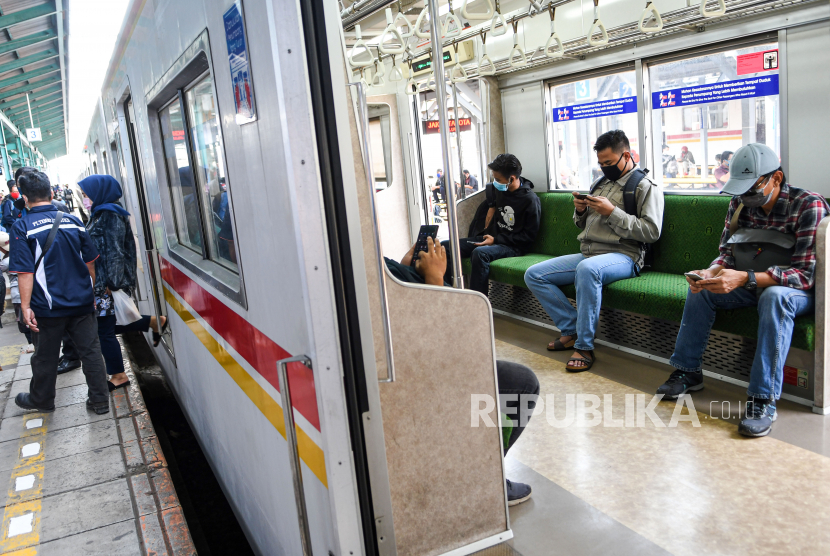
point(694, 277)
point(421, 243)
point(583, 197)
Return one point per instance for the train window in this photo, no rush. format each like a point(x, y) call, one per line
point(703, 106)
point(206, 141)
point(582, 111)
point(180, 174)
point(380, 140)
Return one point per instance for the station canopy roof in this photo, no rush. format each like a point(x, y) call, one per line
point(33, 61)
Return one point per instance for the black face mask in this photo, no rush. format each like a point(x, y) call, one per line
point(613, 172)
point(20, 203)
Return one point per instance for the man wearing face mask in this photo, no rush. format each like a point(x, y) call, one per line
point(613, 246)
point(722, 171)
point(754, 269)
point(13, 205)
point(511, 226)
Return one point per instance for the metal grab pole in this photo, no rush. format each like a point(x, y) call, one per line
point(458, 141)
point(293, 450)
point(441, 96)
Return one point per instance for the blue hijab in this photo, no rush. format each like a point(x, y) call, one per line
point(104, 191)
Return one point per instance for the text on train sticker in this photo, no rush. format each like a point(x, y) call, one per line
point(241, 76)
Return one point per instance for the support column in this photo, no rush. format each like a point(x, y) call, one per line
point(7, 167)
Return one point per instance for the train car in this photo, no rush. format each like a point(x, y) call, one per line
point(273, 154)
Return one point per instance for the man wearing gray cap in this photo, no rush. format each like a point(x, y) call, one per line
point(767, 259)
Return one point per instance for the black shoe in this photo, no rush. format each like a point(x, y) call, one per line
point(24, 401)
point(760, 415)
point(517, 493)
point(99, 408)
point(679, 383)
point(66, 365)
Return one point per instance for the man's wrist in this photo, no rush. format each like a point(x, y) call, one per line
point(744, 278)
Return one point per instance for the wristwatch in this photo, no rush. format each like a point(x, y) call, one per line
point(751, 284)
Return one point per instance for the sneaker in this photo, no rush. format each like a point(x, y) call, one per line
point(66, 365)
point(679, 383)
point(24, 401)
point(517, 493)
point(760, 415)
point(99, 408)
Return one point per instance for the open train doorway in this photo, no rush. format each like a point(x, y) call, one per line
point(468, 156)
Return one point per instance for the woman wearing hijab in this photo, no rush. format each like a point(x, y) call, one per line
point(115, 269)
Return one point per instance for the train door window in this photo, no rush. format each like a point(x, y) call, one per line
point(180, 174)
point(584, 109)
point(703, 106)
point(106, 165)
point(206, 141)
point(380, 139)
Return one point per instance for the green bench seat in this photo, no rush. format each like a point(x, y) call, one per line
point(692, 227)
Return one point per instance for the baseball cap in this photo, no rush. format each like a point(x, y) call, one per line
point(748, 164)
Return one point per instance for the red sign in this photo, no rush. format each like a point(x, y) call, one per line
point(178, 135)
point(758, 62)
point(434, 126)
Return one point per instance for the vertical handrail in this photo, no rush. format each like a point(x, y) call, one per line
point(367, 169)
point(441, 95)
point(458, 142)
point(293, 451)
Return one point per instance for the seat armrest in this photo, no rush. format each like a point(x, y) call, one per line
point(821, 396)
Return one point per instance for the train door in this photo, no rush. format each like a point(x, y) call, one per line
point(118, 155)
point(152, 256)
point(466, 149)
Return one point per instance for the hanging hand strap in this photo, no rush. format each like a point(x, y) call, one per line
point(50, 239)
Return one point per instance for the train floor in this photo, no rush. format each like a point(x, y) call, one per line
point(77, 482)
point(657, 487)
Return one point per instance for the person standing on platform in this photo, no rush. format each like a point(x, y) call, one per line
point(54, 258)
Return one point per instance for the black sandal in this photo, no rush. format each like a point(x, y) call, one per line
point(113, 387)
point(588, 362)
point(157, 335)
point(557, 344)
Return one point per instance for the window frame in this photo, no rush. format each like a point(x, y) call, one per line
point(188, 70)
point(640, 66)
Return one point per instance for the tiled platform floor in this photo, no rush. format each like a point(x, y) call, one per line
point(80, 483)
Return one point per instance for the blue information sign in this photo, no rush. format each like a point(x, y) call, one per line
point(241, 77)
point(716, 92)
point(625, 105)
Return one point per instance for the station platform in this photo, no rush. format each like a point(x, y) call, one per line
point(80, 483)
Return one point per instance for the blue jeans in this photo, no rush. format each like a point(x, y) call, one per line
point(480, 257)
point(777, 308)
point(589, 274)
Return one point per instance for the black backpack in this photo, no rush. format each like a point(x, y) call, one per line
point(630, 207)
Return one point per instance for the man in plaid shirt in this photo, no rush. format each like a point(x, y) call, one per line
point(780, 293)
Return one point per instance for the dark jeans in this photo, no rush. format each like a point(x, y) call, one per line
point(141, 325)
point(518, 391)
point(481, 257)
point(110, 348)
point(84, 333)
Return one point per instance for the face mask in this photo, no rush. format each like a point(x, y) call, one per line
point(15, 195)
point(727, 163)
point(87, 203)
point(612, 172)
point(756, 197)
point(500, 186)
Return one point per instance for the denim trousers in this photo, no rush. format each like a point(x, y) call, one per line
point(518, 392)
point(84, 333)
point(777, 308)
point(588, 274)
point(480, 257)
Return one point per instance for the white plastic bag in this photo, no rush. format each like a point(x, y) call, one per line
point(125, 310)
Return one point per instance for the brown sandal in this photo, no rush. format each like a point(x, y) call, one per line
point(557, 344)
point(588, 362)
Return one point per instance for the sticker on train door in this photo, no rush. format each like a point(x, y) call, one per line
point(241, 76)
point(757, 62)
point(796, 377)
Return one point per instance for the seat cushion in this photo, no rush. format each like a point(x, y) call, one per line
point(692, 226)
point(557, 232)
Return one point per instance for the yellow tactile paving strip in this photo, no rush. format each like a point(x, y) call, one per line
point(690, 490)
point(10, 354)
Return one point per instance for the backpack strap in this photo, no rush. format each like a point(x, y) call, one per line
point(595, 185)
point(733, 224)
point(630, 191)
point(50, 238)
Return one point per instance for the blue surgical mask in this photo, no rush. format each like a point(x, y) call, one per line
point(499, 186)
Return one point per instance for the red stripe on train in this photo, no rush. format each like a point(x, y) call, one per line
point(256, 348)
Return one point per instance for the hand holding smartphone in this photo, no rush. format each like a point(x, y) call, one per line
point(421, 243)
point(583, 197)
point(693, 276)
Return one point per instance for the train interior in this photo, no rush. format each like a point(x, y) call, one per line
point(683, 483)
